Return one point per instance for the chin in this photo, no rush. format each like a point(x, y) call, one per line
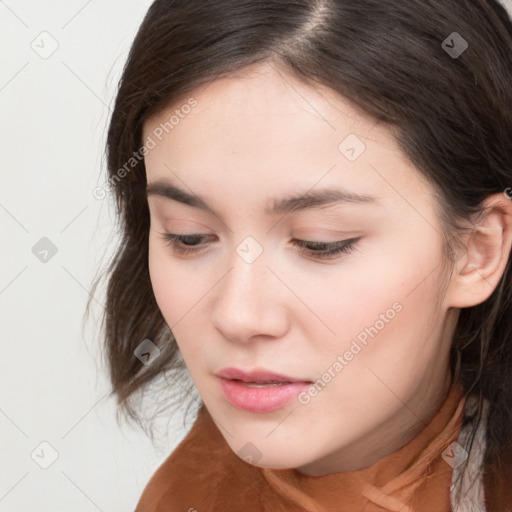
point(277, 461)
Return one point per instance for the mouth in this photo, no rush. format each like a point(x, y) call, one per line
point(259, 390)
point(258, 377)
point(262, 384)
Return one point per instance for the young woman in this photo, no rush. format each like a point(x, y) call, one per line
point(316, 219)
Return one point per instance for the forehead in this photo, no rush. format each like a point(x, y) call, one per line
point(268, 129)
point(265, 92)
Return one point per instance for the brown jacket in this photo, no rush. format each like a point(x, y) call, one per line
point(203, 474)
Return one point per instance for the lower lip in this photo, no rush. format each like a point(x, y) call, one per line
point(260, 399)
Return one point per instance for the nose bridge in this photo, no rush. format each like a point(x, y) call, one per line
point(246, 303)
point(247, 275)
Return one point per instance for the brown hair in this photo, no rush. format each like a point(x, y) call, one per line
point(451, 116)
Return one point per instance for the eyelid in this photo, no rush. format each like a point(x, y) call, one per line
point(332, 249)
point(165, 219)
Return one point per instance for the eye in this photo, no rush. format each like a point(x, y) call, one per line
point(322, 250)
point(326, 250)
point(188, 240)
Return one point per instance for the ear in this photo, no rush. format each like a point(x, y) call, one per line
point(485, 253)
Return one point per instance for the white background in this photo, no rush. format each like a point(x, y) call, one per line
point(53, 121)
point(54, 112)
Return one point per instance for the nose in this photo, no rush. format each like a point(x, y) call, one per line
point(250, 301)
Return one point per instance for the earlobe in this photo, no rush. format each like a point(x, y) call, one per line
point(486, 251)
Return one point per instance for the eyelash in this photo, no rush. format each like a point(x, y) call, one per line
point(328, 249)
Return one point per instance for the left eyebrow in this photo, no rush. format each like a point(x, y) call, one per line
point(296, 202)
point(313, 199)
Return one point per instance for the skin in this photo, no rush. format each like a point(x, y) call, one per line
point(262, 134)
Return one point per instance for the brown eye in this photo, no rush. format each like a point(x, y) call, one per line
point(322, 250)
point(189, 243)
point(325, 249)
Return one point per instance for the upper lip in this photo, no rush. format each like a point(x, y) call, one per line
point(256, 375)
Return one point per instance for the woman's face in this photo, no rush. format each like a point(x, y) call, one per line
point(366, 327)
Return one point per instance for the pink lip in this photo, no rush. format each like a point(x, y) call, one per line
point(255, 375)
point(234, 384)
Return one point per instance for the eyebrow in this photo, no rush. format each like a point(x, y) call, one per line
point(292, 203)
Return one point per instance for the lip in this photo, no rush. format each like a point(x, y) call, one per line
point(256, 375)
point(235, 386)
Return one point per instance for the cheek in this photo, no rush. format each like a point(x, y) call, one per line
point(385, 323)
point(384, 304)
point(169, 285)
point(179, 286)
point(171, 295)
